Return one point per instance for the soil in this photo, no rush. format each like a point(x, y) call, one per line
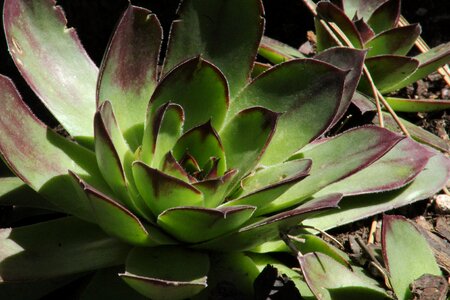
point(287, 21)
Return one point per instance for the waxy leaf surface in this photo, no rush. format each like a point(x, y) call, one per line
point(225, 32)
point(128, 72)
point(42, 250)
point(417, 105)
point(396, 41)
point(157, 273)
point(385, 17)
point(406, 254)
point(288, 88)
point(199, 87)
point(53, 62)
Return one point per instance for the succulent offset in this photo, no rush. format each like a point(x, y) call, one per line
point(191, 167)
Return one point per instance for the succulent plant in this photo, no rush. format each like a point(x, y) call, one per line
point(373, 25)
point(172, 176)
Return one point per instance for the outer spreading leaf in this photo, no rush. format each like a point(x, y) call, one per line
point(387, 71)
point(346, 59)
point(42, 250)
point(156, 272)
point(269, 228)
point(336, 159)
point(118, 221)
point(397, 41)
point(385, 17)
point(195, 224)
point(52, 61)
point(395, 169)
point(42, 158)
point(287, 89)
point(331, 13)
point(323, 273)
point(128, 71)
point(434, 176)
point(428, 63)
point(406, 254)
point(277, 52)
point(225, 32)
point(199, 87)
point(417, 105)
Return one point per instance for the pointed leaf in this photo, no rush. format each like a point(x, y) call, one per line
point(431, 180)
point(417, 105)
point(387, 71)
point(210, 29)
point(364, 30)
point(429, 62)
point(53, 62)
point(161, 191)
point(277, 52)
point(128, 72)
point(396, 41)
point(361, 8)
point(156, 272)
point(337, 158)
point(118, 221)
point(385, 17)
point(332, 13)
point(246, 136)
point(268, 184)
point(214, 190)
point(199, 87)
point(162, 130)
point(195, 224)
point(287, 89)
point(42, 250)
point(269, 228)
point(346, 59)
point(41, 157)
point(323, 273)
point(406, 254)
point(395, 169)
point(202, 143)
point(173, 168)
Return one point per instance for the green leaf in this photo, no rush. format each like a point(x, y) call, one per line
point(161, 191)
point(269, 183)
point(196, 224)
point(128, 72)
point(156, 272)
point(14, 192)
point(335, 159)
point(345, 59)
point(173, 168)
point(214, 190)
point(199, 87)
point(323, 273)
point(418, 133)
point(211, 29)
point(332, 13)
point(395, 169)
point(41, 157)
point(163, 128)
point(41, 251)
point(406, 254)
point(118, 221)
point(385, 17)
point(396, 41)
point(417, 105)
point(53, 62)
point(202, 143)
point(361, 8)
point(429, 62)
point(246, 137)
point(387, 71)
point(431, 180)
point(287, 89)
point(277, 52)
point(106, 284)
point(268, 229)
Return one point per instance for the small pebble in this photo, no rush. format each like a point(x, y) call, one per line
point(442, 203)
